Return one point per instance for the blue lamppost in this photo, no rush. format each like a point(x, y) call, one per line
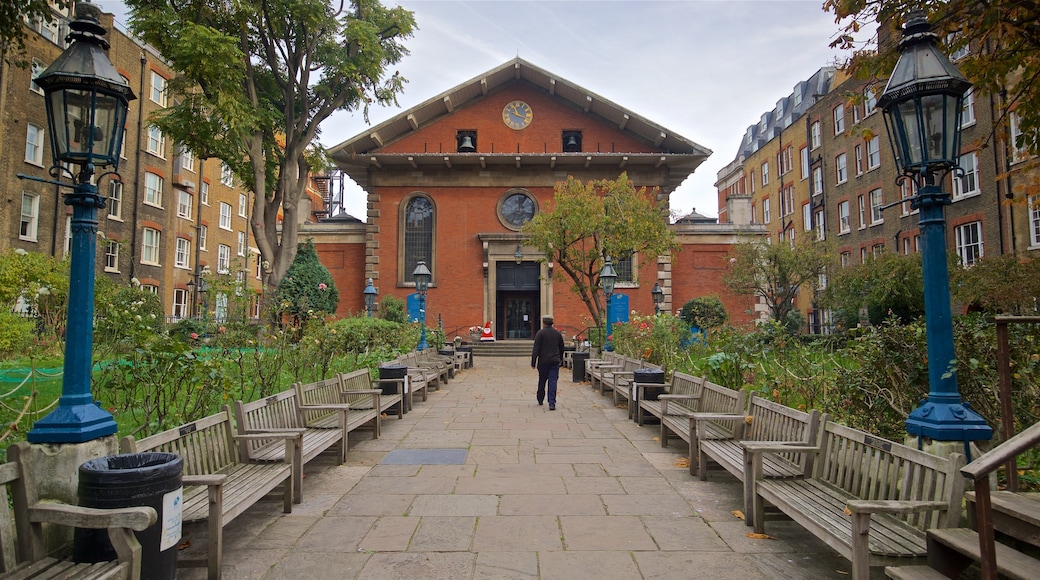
point(607, 278)
point(370, 296)
point(422, 276)
point(922, 110)
point(86, 101)
point(658, 295)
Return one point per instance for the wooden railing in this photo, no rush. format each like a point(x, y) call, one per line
point(979, 471)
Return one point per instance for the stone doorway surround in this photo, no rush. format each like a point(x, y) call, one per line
point(501, 247)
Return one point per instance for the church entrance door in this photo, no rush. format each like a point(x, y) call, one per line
point(518, 300)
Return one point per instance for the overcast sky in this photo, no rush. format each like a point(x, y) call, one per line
point(703, 69)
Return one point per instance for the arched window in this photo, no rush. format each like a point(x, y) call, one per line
point(417, 231)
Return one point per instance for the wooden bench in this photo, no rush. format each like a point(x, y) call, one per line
point(23, 513)
point(284, 413)
point(623, 385)
point(436, 372)
point(603, 376)
point(713, 399)
point(220, 484)
point(607, 358)
point(870, 499)
point(765, 421)
point(357, 388)
point(325, 406)
point(437, 360)
point(419, 378)
point(680, 396)
point(415, 381)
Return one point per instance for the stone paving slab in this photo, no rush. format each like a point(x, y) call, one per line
point(579, 493)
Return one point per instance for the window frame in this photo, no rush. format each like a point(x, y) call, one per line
point(36, 157)
point(158, 92)
point(182, 254)
point(155, 141)
point(112, 256)
point(408, 256)
point(223, 258)
point(243, 205)
point(29, 223)
point(841, 168)
point(151, 241)
point(153, 189)
point(976, 245)
point(838, 114)
point(115, 200)
point(877, 200)
point(873, 152)
point(970, 175)
point(815, 135)
point(844, 217)
point(225, 216)
point(227, 176)
point(184, 203)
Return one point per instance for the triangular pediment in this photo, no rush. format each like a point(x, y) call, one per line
point(639, 141)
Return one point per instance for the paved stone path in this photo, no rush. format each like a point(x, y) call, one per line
point(580, 492)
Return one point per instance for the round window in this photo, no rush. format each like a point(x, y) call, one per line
point(517, 209)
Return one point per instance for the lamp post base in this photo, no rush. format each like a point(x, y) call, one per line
point(948, 422)
point(73, 424)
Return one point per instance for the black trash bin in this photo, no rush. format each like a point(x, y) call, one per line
point(578, 366)
point(130, 480)
point(650, 376)
point(391, 387)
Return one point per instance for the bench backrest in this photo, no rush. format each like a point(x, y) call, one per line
point(278, 411)
point(771, 421)
point(685, 384)
point(206, 445)
point(359, 380)
point(323, 392)
point(10, 473)
point(718, 399)
point(872, 468)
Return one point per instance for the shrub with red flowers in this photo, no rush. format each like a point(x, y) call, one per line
point(655, 339)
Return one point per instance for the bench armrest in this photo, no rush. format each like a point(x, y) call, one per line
point(207, 479)
point(893, 506)
point(135, 518)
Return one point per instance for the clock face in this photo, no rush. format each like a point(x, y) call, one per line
point(517, 209)
point(517, 115)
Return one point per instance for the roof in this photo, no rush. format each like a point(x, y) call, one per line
point(680, 155)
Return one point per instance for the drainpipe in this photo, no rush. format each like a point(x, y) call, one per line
point(137, 169)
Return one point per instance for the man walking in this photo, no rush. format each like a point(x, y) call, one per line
point(546, 357)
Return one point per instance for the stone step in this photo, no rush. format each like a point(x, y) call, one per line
point(950, 545)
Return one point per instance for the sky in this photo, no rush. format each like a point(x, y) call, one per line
point(702, 69)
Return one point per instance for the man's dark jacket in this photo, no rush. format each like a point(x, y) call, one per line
point(548, 347)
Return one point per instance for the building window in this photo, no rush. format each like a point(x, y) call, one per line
point(37, 69)
point(869, 101)
point(817, 176)
point(180, 303)
point(846, 259)
point(227, 176)
point(956, 53)
point(841, 170)
point(906, 192)
point(804, 155)
point(112, 256)
point(844, 226)
point(34, 144)
point(187, 159)
point(821, 231)
point(967, 184)
point(417, 228)
point(862, 203)
point(225, 216)
point(968, 109)
point(752, 181)
point(625, 269)
point(158, 94)
point(115, 200)
point(876, 201)
point(839, 119)
point(855, 112)
point(874, 152)
point(183, 204)
point(877, 249)
point(153, 186)
point(204, 193)
point(203, 234)
point(156, 143)
point(969, 242)
point(182, 260)
point(859, 159)
point(806, 217)
point(241, 243)
point(815, 134)
point(243, 205)
point(223, 259)
point(68, 235)
point(766, 213)
point(1019, 143)
point(787, 201)
point(30, 221)
point(150, 246)
point(1034, 220)
point(765, 173)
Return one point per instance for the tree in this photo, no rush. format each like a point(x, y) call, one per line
point(588, 221)
point(889, 285)
point(776, 272)
point(999, 285)
point(1003, 37)
point(259, 78)
point(14, 14)
point(308, 290)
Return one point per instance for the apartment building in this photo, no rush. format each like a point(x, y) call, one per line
point(170, 219)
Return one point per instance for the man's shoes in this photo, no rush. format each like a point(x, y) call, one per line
point(539, 403)
point(552, 407)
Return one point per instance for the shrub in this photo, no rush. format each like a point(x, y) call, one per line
point(705, 313)
point(655, 339)
point(391, 308)
point(307, 291)
point(16, 333)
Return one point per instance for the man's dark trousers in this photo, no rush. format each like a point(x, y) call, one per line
point(548, 373)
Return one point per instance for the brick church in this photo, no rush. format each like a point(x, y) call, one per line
point(451, 181)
